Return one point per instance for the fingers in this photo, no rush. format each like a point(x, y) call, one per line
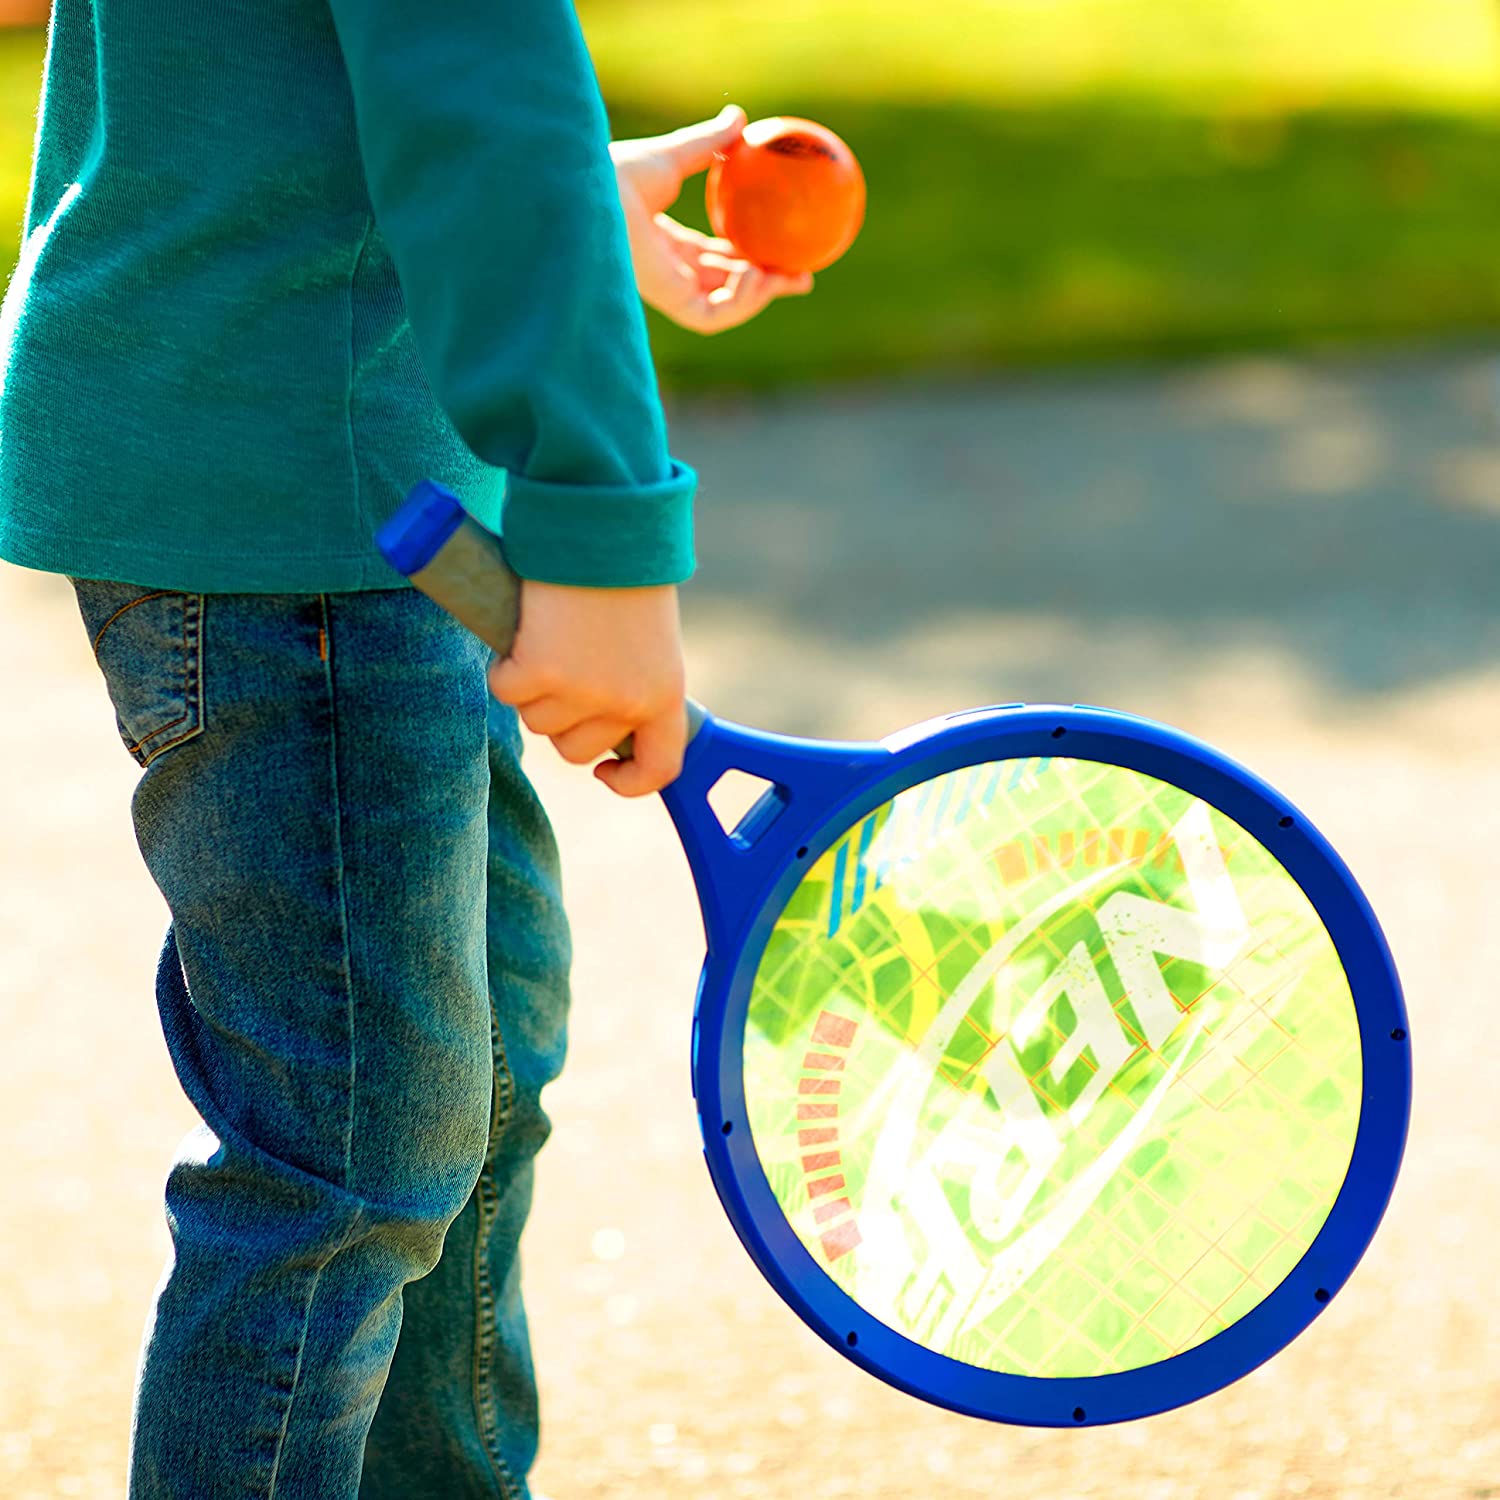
point(746, 291)
point(700, 283)
point(692, 241)
point(579, 733)
point(581, 737)
point(656, 751)
point(749, 291)
point(692, 148)
point(708, 250)
point(655, 167)
point(589, 740)
point(511, 682)
point(655, 760)
point(592, 666)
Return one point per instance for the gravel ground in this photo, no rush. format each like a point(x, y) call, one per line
point(1297, 562)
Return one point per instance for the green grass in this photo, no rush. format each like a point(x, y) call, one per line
point(1150, 185)
point(1102, 232)
point(1278, 54)
point(1058, 180)
point(21, 55)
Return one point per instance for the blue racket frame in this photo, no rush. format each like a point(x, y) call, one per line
point(745, 877)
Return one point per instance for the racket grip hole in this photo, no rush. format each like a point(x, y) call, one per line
point(1398, 1034)
point(1079, 1414)
point(745, 805)
point(1321, 1295)
point(1284, 822)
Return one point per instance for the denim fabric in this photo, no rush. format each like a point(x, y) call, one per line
point(364, 991)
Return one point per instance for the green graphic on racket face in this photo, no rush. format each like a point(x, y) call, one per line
point(1052, 1067)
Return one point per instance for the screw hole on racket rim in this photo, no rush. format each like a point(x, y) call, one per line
point(1398, 1034)
point(1321, 1295)
point(1079, 1414)
point(1284, 822)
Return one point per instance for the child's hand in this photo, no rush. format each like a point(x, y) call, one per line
point(697, 281)
point(590, 666)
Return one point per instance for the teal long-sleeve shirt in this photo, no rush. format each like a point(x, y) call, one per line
point(284, 258)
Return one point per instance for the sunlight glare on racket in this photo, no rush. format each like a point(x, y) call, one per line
point(1052, 1067)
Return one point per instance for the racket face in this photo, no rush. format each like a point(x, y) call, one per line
point(1054, 1067)
point(1051, 1068)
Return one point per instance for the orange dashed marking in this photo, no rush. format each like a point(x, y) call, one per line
point(833, 1031)
point(1021, 859)
point(830, 1031)
point(841, 1239)
point(823, 1060)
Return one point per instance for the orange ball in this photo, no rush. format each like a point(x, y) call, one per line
point(788, 195)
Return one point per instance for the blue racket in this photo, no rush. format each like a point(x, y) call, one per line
point(1050, 1065)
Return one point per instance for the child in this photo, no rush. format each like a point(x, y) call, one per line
point(282, 260)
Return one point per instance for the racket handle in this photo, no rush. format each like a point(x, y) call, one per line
point(461, 566)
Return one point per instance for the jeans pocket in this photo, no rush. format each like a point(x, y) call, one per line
point(149, 646)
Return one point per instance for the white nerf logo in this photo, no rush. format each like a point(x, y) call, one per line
point(907, 1219)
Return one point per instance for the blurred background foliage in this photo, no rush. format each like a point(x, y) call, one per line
point(1069, 180)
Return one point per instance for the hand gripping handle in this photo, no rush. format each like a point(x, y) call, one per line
point(461, 565)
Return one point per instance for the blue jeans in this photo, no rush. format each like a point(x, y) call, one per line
point(364, 992)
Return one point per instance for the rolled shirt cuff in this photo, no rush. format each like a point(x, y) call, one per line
point(601, 536)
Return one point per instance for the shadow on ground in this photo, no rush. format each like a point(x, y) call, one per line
point(1067, 539)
